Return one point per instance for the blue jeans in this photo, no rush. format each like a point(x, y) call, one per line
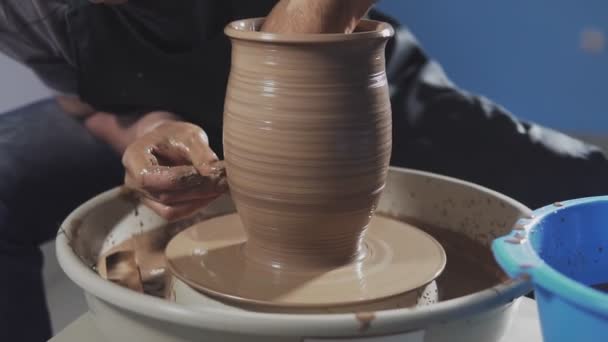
point(49, 164)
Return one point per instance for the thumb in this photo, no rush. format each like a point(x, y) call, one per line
point(207, 164)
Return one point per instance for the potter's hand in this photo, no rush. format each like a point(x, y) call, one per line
point(173, 167)
point(316, 16)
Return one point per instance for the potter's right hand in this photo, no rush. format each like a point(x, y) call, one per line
point(172, 166)
point(316, 16)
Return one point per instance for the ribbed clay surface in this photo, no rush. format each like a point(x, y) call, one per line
point(307, 141)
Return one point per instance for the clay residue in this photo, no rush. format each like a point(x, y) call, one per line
point(75, 224)
point(148, 249)
point(148, 261)
point(131, 196)
point(121, 268)
point(365, 320)
point(74, 229)
point(125, 191)
point(517, 239)
point(73, 235)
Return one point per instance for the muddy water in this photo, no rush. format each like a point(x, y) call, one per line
point(470, 266)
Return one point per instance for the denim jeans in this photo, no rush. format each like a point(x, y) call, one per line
point(49, 164)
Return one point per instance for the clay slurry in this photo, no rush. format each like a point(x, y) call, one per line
point(470, 267)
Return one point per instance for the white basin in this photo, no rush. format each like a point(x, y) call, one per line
point(125, 315)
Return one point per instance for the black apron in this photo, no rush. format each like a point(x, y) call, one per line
point(148, 55)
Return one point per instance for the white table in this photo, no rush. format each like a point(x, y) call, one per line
point(525, 327)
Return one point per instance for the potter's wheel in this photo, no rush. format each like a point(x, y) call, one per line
point(398, 258)
point(476, 312)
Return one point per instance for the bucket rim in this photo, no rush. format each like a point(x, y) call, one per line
point(515, 254)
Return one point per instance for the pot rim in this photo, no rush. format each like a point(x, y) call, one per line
point(242, 30)
point(255, 323)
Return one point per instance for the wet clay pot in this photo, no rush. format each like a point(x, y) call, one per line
point(307, 141)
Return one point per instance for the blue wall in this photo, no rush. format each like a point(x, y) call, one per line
point(525, 55)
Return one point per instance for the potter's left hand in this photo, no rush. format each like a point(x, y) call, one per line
point(173, 167)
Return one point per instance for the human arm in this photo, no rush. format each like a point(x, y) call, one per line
point(33, 32)
point(316, 16)
point(168, 162)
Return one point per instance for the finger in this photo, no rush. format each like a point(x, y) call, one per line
point(171, 178)
point(200, 155)
point(220, 181)
point(176, 211)
point(174, 147)
point(137, 158)
point(206, 190)
point(160, 179)
point(171, 154)
point(132, 184)
point(176, 197)
point(207, 164)
point(197, 151)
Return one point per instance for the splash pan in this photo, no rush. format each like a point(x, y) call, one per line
point(457, 207)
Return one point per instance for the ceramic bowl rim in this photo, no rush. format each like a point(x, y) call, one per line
point(254, 323)
point(238, 30)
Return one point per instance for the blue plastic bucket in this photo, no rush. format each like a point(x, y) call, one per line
point(563, 250)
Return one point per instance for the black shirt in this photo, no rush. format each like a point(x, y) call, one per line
point(172, 55)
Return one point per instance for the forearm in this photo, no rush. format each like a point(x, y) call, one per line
point(45, 49)
point(120, 133)
point(316, 16)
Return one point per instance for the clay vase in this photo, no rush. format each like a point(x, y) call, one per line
point(307, 141)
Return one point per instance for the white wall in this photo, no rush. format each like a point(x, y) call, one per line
point(18, 85)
